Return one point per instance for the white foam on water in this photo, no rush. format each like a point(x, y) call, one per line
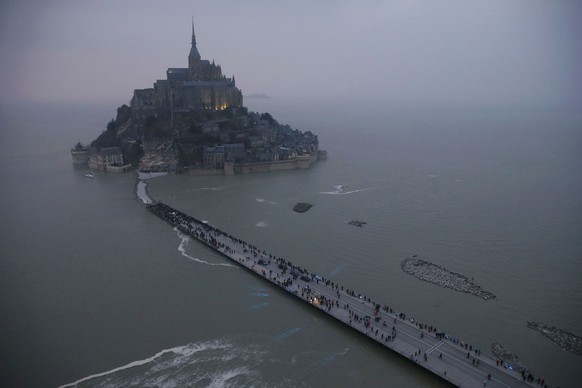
point(142, 192)
point(142, 186)
point(184, 351)
point(261, 224)
point(263, 200)
point(341, 190)
point(182, 249)
point(222, 378)
point(217, 188)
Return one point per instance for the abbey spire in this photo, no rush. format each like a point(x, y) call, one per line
point(199, 86)
point(194, 54)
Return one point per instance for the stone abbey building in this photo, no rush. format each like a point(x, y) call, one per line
point(200, 86)
point(194, 122)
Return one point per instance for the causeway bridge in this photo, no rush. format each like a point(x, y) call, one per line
point(445, 356)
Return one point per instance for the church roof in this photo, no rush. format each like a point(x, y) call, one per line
point(194, 51)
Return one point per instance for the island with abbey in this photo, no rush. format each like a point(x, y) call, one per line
point(194, 122)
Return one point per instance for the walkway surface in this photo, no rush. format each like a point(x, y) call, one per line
point(446, 356)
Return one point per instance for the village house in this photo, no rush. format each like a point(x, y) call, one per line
point(107, 160)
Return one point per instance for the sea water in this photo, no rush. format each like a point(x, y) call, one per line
point(96, 291)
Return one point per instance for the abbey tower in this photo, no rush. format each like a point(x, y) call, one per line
point(200, 86)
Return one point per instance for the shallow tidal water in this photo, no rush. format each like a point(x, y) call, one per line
point(95, 288)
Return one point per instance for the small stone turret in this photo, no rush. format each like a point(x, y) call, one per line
point(80, 154)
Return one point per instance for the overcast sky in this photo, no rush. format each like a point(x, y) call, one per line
point(454, 51)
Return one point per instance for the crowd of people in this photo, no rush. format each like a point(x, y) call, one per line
point(284, 273)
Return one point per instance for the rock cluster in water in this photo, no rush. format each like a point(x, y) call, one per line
point(440, 276)
point(509, 359)
point(562, 338)
point(302, 207)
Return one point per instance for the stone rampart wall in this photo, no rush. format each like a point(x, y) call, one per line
point(204, 171)
point(250, 168)
point(118, 169)
point(278, 165)
point(80, 157)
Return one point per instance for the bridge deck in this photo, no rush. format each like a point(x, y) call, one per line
point(449, 358)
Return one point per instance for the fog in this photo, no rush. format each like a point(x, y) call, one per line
point(494, 52)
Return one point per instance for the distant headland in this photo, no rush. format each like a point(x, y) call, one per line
point(194, 122)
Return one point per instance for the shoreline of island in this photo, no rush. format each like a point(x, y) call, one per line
point(194, 122)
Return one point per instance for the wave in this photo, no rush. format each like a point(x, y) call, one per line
point(185, 351)
point(341, 190)
point(182, 249)
point(263, 200)
point(217, 188)
point(142, 186)
point(262, 224)
point(142, 192)
point(215, 363)
point(221, 379)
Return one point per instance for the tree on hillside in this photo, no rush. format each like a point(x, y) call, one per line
point(108, 138)
point(267, 116)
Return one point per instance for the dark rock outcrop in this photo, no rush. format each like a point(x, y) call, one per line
point(302, 207)
point(562, 338)
point(440, 276)
point(509, 359)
